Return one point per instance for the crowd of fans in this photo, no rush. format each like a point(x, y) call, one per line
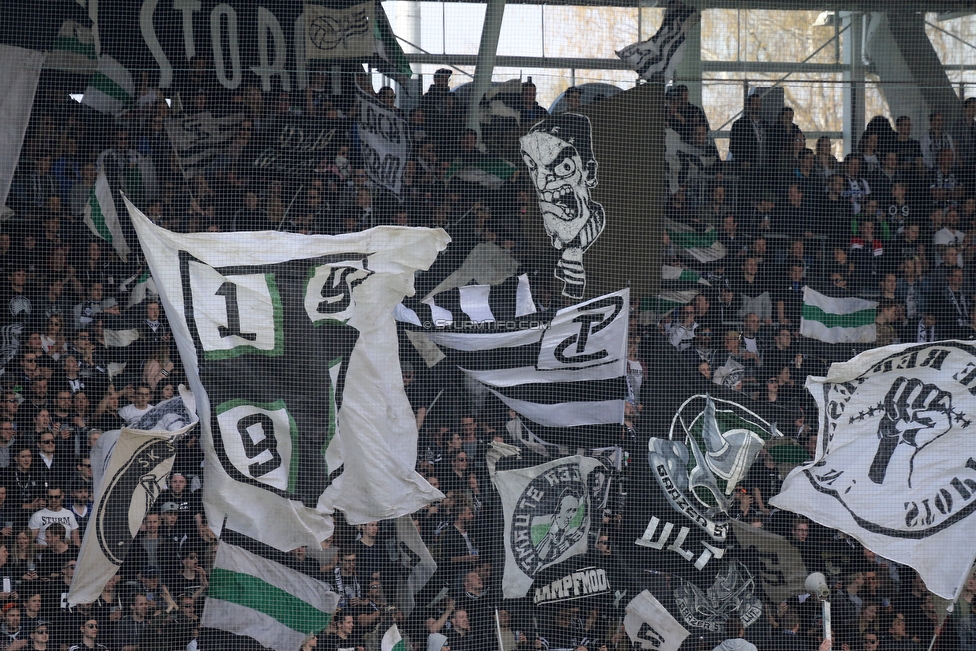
point(891, 222)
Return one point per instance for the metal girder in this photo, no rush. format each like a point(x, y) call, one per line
point(912, 6)
point(576, 63)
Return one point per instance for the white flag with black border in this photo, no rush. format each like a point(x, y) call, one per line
point(130, 470)
point(332, 33)
point(547, 517)
point(895, 465)
point(385, 140)
point(289, 344)
point(650, 626)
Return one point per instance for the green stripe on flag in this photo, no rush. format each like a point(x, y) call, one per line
point(852, 320)
point(71, 44)
point(97, 218)
point(251, 592)
point(99, 81)
point(693, 240)
point(497, 167)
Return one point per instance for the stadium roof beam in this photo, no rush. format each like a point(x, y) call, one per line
point(576, 63)
point(944, 7)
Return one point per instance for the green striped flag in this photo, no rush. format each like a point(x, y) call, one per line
point(144, 287)
point(703, 247)
point(103, 219)
point(392, 60)
point(73, 49)
point(838, 320)
point(392, 641)
point(680, 275)
point(275, 605)
point(667, 301)
point(110, 90)
point(487, 171)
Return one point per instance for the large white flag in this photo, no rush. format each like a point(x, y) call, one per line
point(547, 517)
point(132, 466)
point(19, 72)
point(290, 346)
point(650, 626)
point(895, 464)
point(277, 606)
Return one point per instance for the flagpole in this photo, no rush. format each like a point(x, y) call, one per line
point(288, 209)
point(462, 217)
point(498, 629)
point(938, 629)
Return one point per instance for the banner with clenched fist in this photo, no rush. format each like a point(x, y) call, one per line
point(896, 461)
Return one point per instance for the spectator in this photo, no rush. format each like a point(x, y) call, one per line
point(130, 628)
point(53, 513)
point(139, 405)
point(40, 637)
point(12, 635)
point(343, 635)
point(89, 631)
point(936, 139)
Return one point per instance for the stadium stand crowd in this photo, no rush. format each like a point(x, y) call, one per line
point(893, 221)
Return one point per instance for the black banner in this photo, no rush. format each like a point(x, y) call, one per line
point(297, 145)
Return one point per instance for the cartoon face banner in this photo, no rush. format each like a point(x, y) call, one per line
point(895, 466)
point(598, 200)
point(547, 517)
point(559, 154)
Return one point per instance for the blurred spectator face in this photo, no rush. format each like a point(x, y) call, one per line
point(945, 159)
point(752, 324)
point(11, 619)
point(18, 278)
point(24, 459)
point(140, 605)
point(800, 531)
point(177, 483)
point(388, 97)
point(754, 106)
point(573, 99)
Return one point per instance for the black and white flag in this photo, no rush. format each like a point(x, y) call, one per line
point(775, 561)
point(334, 33)
point(134, 465)
point(385, 141)
point(568, 372)
point(470, 305)
point(548, 513)
point(650, 626)
point(895, 466)
point(415, 561)
point(657, 58)
point(198, 138)
point(289, 344)
point(731, 595)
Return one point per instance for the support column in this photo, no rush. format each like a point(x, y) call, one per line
point(854, 119)
point(486, 60)
point(689, 71)
point(407, 22)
